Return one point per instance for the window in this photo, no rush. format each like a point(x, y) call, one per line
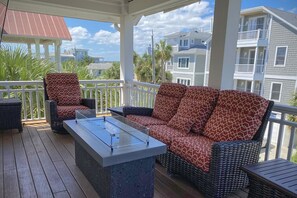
point(184, 81)
point(280, 56)
point(184, 43)
point(275, 91)
point(183, 63)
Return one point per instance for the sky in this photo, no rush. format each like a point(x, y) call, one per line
point(102, 39)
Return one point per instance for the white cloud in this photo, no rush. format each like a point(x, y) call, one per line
point(195, 16)
point(78, 35)
point(106, 37)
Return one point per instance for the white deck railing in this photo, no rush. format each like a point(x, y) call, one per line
point(249, 68)
point(280, 134)
point(107, 93)
point(252, 35)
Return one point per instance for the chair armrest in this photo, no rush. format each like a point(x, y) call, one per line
point(88, 103)
point(144, 111)
point(50, 110)
point(228, 157)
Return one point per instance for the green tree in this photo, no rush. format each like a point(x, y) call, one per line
point(16, 65)
point(162, 55)
point(113, 72)
point(293, 118)
point(72, 66)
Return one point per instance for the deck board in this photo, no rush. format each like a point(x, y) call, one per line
point(40, 163)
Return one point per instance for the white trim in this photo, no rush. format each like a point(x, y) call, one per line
point(188, 73)
point(183, 67)
point(256, 18)
point(285, 56)
point(185, 79)
point(280, 91)
point(281, 77)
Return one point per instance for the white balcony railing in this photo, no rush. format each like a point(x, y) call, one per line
point(252, 35)
point(249, 68)
point(280, 134)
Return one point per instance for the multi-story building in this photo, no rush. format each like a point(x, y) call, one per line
point(266, 63)
point(187, 64)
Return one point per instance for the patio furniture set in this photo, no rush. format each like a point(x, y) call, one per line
point(210, 134)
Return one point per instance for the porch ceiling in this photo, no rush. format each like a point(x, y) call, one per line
point(99, 10)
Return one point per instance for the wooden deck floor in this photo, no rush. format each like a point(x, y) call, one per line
point(40, 163)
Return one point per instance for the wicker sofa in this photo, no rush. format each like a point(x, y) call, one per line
point(210, 134)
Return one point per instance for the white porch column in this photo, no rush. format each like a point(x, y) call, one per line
point(58, 55)
point(46, 51)
point(29, 49)
point(224, 40)
point(37, 48)
point(126, 56)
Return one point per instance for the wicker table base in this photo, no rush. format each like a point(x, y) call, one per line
point(10, 114)
point(133, 179)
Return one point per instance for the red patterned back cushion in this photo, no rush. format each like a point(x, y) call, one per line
point(68, 100)
point(167, 100)
point(62, 84)
point(237, 116)
point(195, 108)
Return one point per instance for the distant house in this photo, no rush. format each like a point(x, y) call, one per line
point(187, 64)
point(78, 55)
point(96, 69)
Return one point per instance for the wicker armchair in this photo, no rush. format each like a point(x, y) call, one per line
point(224, 175)
point(62, 98)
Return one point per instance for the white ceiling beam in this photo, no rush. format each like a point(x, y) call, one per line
point(103, 12)
point(147, 7)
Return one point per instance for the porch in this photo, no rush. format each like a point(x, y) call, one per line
point(39, 163)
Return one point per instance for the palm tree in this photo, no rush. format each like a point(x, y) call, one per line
point(163, 54)
point(16, 64)
point(113, 72)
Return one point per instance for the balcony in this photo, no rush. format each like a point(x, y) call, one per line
point(37, 147)
point(253, 38)
point(249, 71)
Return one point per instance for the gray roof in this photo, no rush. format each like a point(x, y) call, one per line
point(100, 66)
point(193, 34)
point(287, 16)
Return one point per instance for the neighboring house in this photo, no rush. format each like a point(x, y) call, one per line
point(77, 55)
point(96, 69)
point(187, 64)
point(266, 64)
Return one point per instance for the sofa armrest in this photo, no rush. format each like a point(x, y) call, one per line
point(88, 103)
point(50, 111)
point(143, 111)
point(228, 157)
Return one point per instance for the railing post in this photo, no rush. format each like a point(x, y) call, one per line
point(258, 34)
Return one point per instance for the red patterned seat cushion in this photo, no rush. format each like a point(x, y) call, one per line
point(167, 100)
point(145, 120)
point(195, 150)
point(195, 108)
point(62, 84)
point(165, 134)
point(68, 112)
point(237, 116)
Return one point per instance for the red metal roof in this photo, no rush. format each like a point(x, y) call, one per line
point(25, 24)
